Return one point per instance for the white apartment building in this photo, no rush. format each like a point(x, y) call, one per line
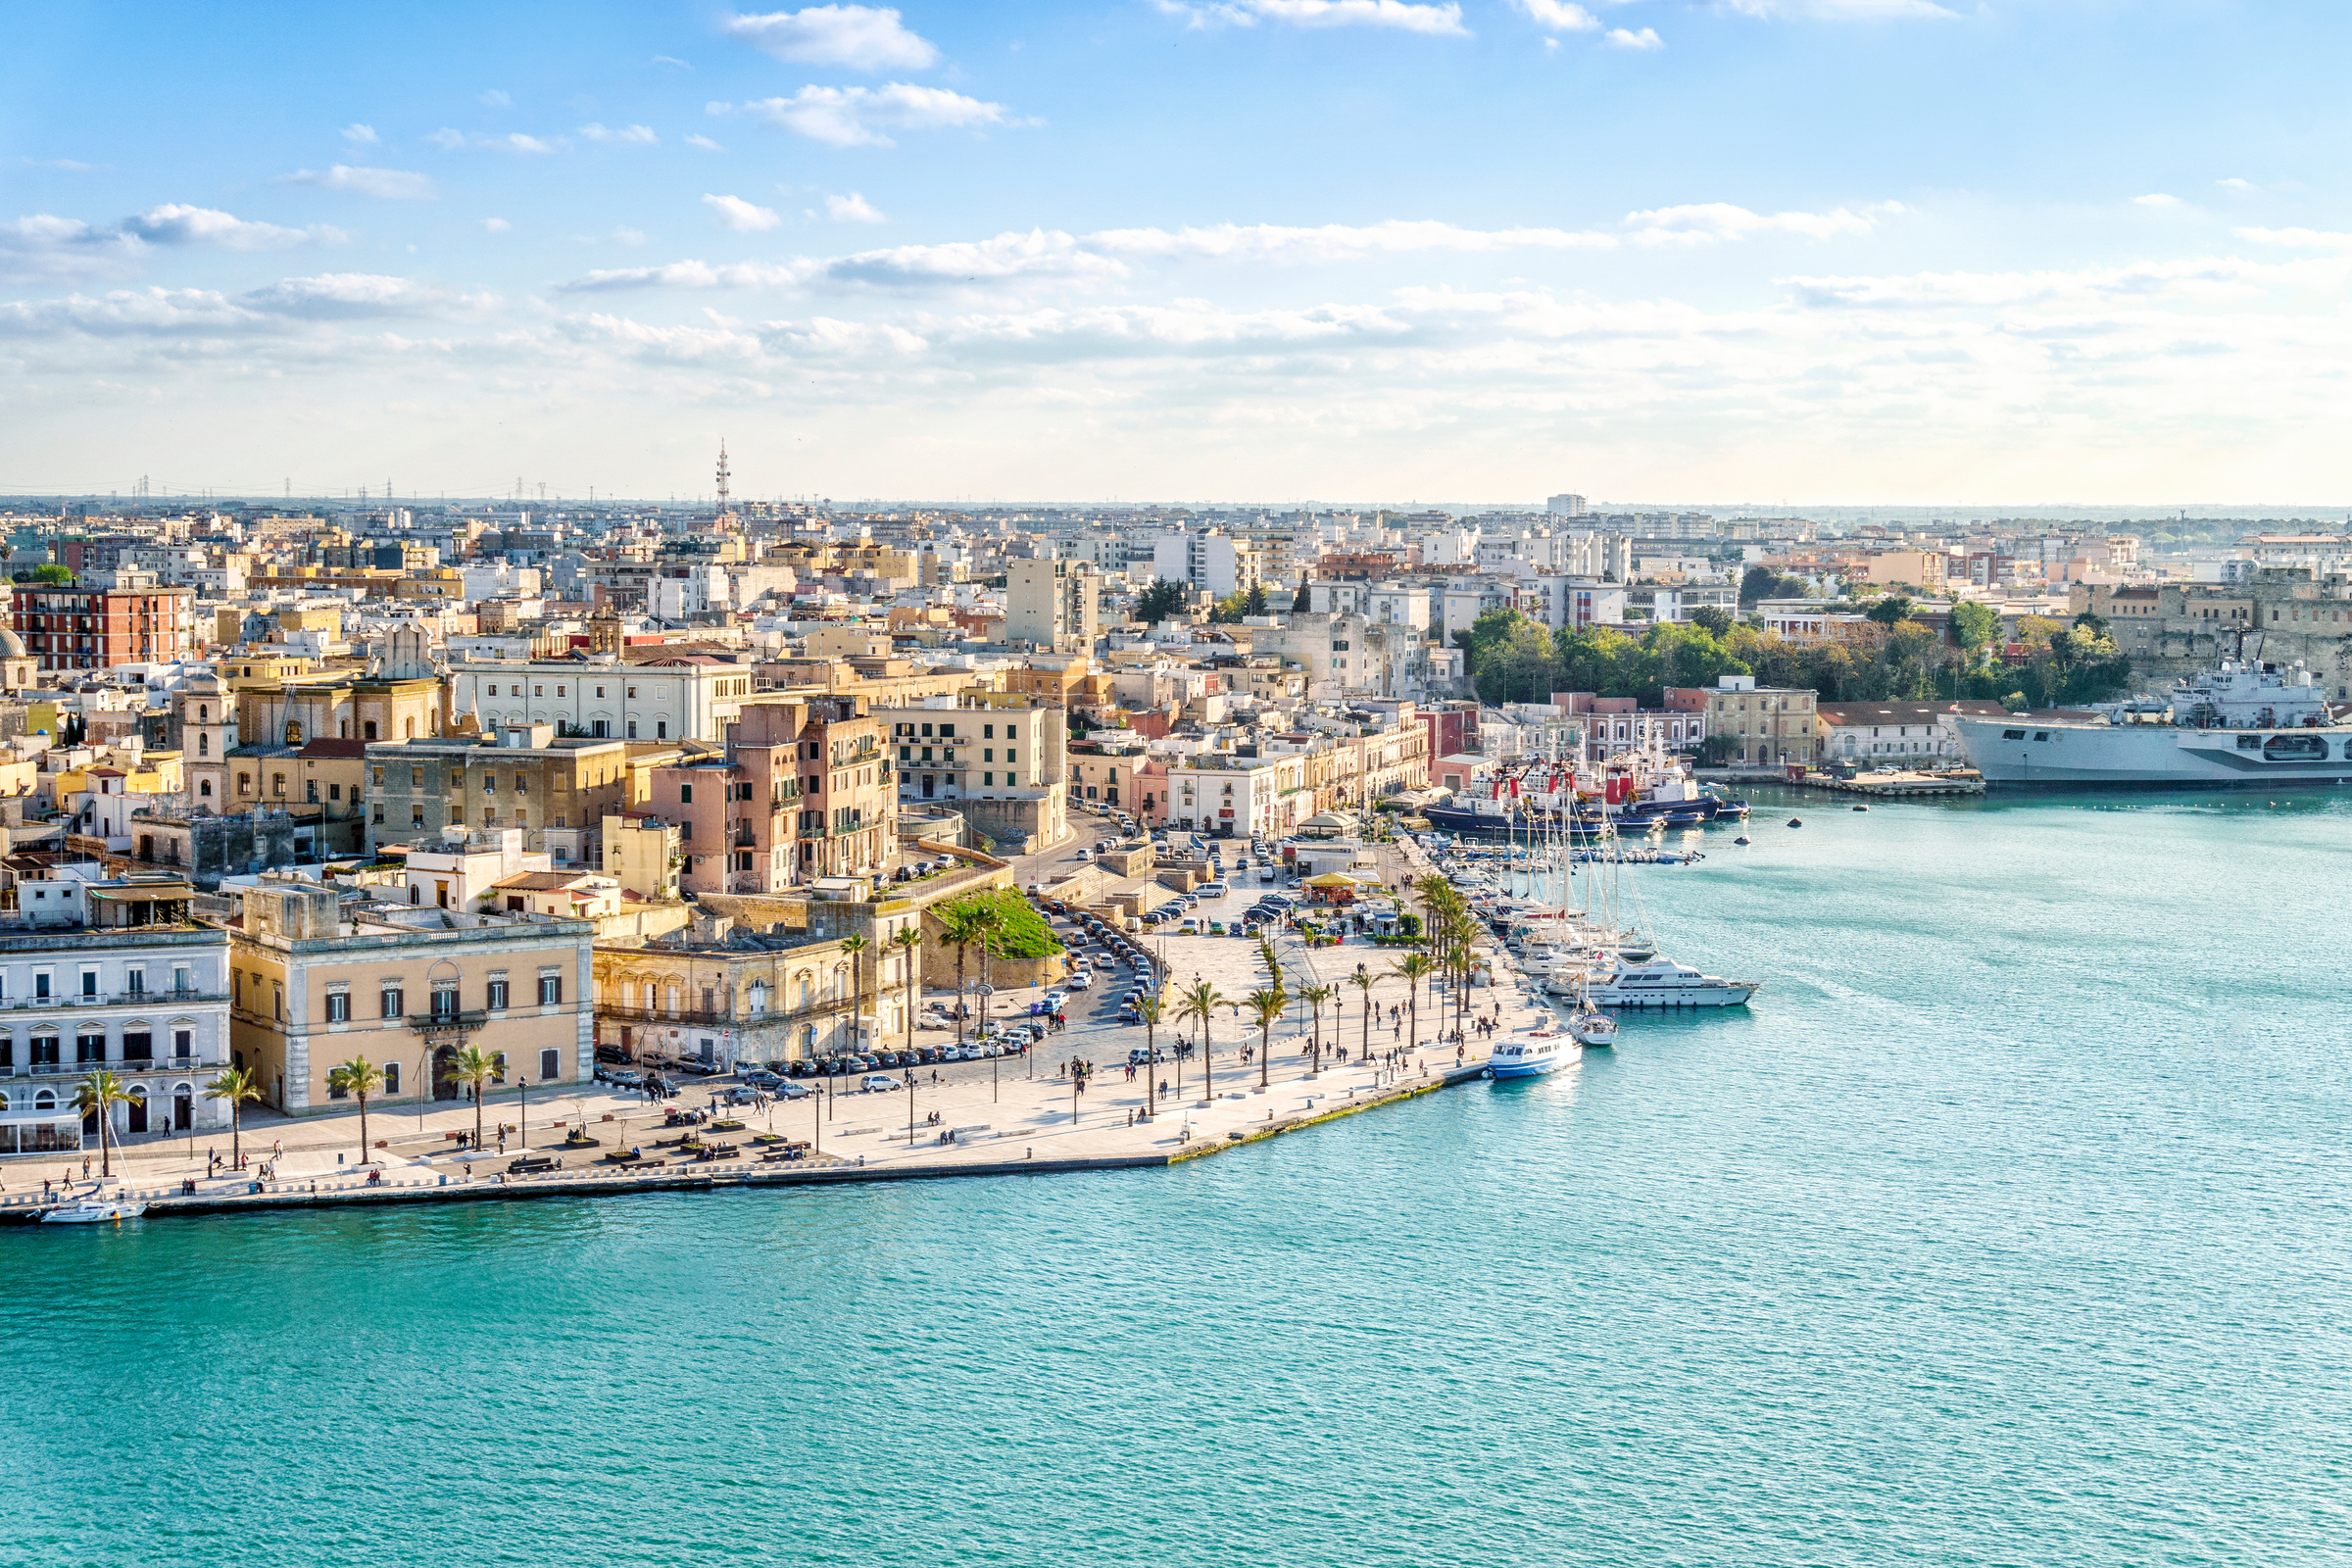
point(141, 990)
point(688, 696)
point(1558, 601)
point(1054, 605)
point(1228, 797)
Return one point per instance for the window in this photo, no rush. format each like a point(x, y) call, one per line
point(551, 989)
point(89, 985)
point(183, 1042)
point(551, 1066)
point(445, 1001)
point(987, 731)
point(135, 981)
point(395, 1003)
point(685, 794)
point(338, 1006)
point(1012, 732)
point(391, 1078)
point(989, 755)
point(498, 995)
point(538, 691)
point(41, 984)
point(182, 978)
point(310, 791)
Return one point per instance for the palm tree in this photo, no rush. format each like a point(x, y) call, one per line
point(959, 927)
point(854, 944)
point(1267, 1005)
point(100, 1092)
point(361, 1077)
point(1413, 966)
point(1202, 1003)
point(238, 1086)
point(907, 941)
point(474, 1066)
point(1364, 982)
point(1149, 1010)
point(987, 917)
point(1316, 997)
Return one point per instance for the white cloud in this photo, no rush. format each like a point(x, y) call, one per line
point(1559, 16)
point(1334, 242)
point(851, 209)
point(629, 237)
point(702, 143)
point(627, 135)
point(689, 275)
point(2156, 198)
point(1706, 223)
point(2235, 184)
point(740, 216)
point(1646, 38)
point(1046, 253)
point(671, 60)
point(2203, 278)
point(520, 143)
point(179, 223)
point(495, 226)
point(495, 99)
point(2300, 238)
point(859, 37)
point(860, 117)
point(45, 246)
point(387, 184)
point(344, 294)
point(1394, 14)
point(360, 135)
point(448, 140)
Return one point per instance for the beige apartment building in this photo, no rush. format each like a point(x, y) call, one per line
point(557, 790)
point(718, 998)
point(803, 791)
point(314, 982)
point(1765, 727)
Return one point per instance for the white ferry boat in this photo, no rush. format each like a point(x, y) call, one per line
point(1530, 1056)
point(2238, 724)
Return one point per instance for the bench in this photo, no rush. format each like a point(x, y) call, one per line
point(533, 1165)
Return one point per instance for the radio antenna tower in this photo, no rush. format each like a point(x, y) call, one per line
point(722, 474)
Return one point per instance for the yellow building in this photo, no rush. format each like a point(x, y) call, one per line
point(313, 984)
point(643, 855)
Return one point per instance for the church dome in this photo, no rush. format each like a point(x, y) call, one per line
point(12, 646)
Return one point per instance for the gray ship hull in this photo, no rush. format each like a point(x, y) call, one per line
point(2015, 752)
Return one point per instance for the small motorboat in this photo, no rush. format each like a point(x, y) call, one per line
point(1743, 839)
point(1796, 821)
point(93, 1210)
point(1530, 1056)
point(1861, 807)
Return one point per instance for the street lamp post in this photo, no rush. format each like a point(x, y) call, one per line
point(522, 1117)
point(987, 991)
point(911, 1110)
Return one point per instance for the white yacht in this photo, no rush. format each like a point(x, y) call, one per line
point(1594, 1028)
point(1530, 1056)
point(1634, 977)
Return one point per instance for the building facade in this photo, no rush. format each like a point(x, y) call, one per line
point(683, 696)
point(313, 984)
point(522, 777)
point(97, 628)
point(140, 990)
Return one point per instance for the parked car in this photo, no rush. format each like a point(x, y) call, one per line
point(1081, 981)
point(627, 1080)
point(1141, 1054)
point(1265, 873)
point(1215, 890)
point(1085, 854)
point(762, 1079)
point(792, 1091)
point(878, 1083)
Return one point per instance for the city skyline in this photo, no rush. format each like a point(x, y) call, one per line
point(1851, 252)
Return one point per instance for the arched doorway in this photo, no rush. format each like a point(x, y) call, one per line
point(183, 1109)
point(445, 1077)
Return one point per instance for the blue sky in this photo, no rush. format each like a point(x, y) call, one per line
point(1801, 250)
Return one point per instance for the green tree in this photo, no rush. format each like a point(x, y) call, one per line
point(1714, 620)
point(98, 1095)
point(1412, 966)
point(51, 572)
point(1515, 664)
point(1973, 624)
point(1363, 981)
point(1891, 611)
point(476, 1067)
point(855, 945)
point(1759, 583)
point(1303, 599)
point(1161, 602)
point(360, 1078)
point(1202, 1002)
point(908, 941)
point(1255, 603)
point(962, 925)
point(1229, 611)
point(1265, 1005)
point(239, 1087)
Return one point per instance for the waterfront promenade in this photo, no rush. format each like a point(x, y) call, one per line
point(1026, 1118)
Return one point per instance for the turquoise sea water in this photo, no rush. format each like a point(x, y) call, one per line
point(2009, 1226)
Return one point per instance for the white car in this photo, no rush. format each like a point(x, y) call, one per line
point(1082, 981)
point(1056, 1000)
point(878, 1083)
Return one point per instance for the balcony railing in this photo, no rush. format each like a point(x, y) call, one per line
point(694, 1015)
point(116, 999)
point(132, 1066)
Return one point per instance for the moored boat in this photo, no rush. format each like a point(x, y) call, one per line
point(1531, 1056)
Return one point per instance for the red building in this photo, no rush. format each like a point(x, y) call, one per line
point(92, 629)
point(1452, 728)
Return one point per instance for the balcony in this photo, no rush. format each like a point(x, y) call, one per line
point(116, 999)
point(133, 1067)
point(692, 1016)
